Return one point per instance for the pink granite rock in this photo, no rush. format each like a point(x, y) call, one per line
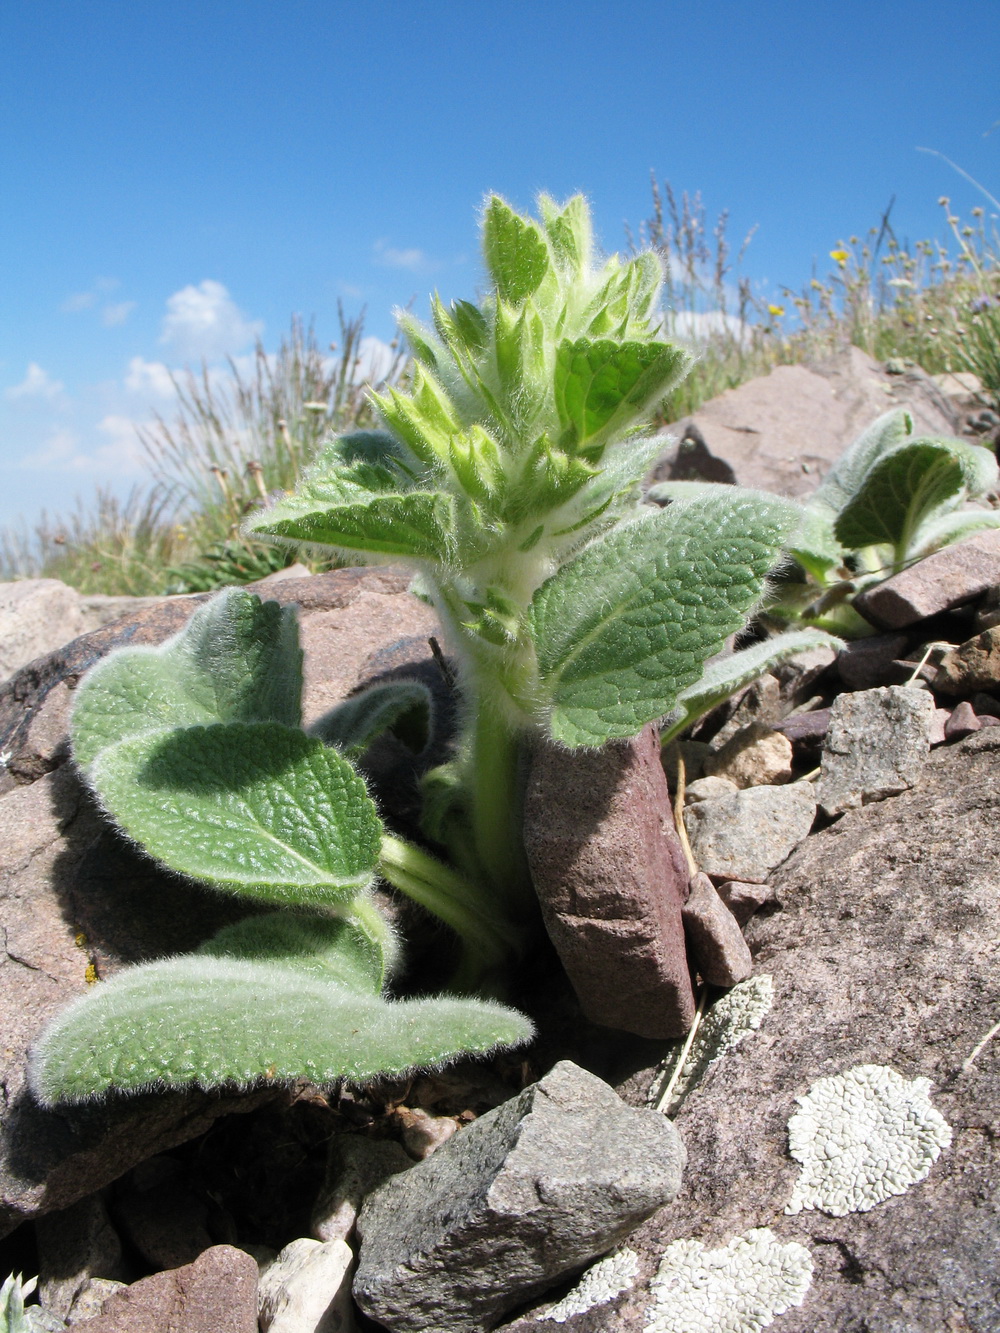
point(215, 1294)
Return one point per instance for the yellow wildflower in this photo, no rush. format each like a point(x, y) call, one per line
point(776, 310)
point(841, 256)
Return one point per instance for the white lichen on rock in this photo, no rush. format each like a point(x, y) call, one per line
point(863, 1136)
point(602, 1283)
point(736, 1289)
point(734, 1016)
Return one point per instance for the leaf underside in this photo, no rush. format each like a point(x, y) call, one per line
point(904, 487)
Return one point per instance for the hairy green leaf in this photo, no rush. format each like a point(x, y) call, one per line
point(515, 252)
point(218, 1022)
point(603, 387)
point(724, 677)
point(905, 486)
point(945, 529)
point(255, 809)
point(333, 948)
point(355, 723)
point(569, 232)
point(839, 487)
point(625, 626)
point(237, 660)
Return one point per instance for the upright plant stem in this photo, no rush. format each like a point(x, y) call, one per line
point(496, 804)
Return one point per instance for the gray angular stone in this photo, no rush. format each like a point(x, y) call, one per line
point(611, 876)
point(876, 746)
point(945, 579)
point(91, 1298)
point(706, 789)
point(355, 1168)
point(715, 940)
point(864, 664)
point(523, 1197)
point(746, 835)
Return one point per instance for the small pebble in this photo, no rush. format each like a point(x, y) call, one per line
point(963, 722)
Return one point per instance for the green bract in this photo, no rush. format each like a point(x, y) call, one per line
point(509, 478)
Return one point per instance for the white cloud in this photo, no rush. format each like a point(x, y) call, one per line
point(205, 322)
point(116, 451)
point(413, 260)
point(700, 326)
point(56, 452)
point(78, 301)
point(113, 315)
point(37, 383)
point(151, 378)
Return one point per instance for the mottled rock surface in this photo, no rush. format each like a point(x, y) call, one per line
point(611, 877)
point(215, 1294)
point(884, 949)
point(746, 835)
point(523, 1197)
point(356, 1166)
point(875, 747)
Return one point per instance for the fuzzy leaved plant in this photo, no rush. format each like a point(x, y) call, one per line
point(892, 499)
point(509, 479)
point(196, 752)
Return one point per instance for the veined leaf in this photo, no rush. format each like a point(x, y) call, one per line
point(355, 723)
point(327, 947)
point(602, 387)
point(624, 627)
point(725, 676)
point(255, 809)
point(237, 660)
point(219, 1022)
point(904, 487)
point(515, 252)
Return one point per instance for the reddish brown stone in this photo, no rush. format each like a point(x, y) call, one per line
point(718, 948)
point(942, 580)
point(611, 878)
point(215, 1294)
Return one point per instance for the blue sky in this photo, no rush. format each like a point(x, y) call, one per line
point(178, 177)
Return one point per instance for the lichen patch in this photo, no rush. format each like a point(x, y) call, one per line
point(862, 1137)
point(736, 1289)
point(601, 1283)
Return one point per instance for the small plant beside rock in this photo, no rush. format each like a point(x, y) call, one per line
point(509, 479)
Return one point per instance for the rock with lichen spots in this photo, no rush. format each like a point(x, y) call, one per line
point(600, 1284)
